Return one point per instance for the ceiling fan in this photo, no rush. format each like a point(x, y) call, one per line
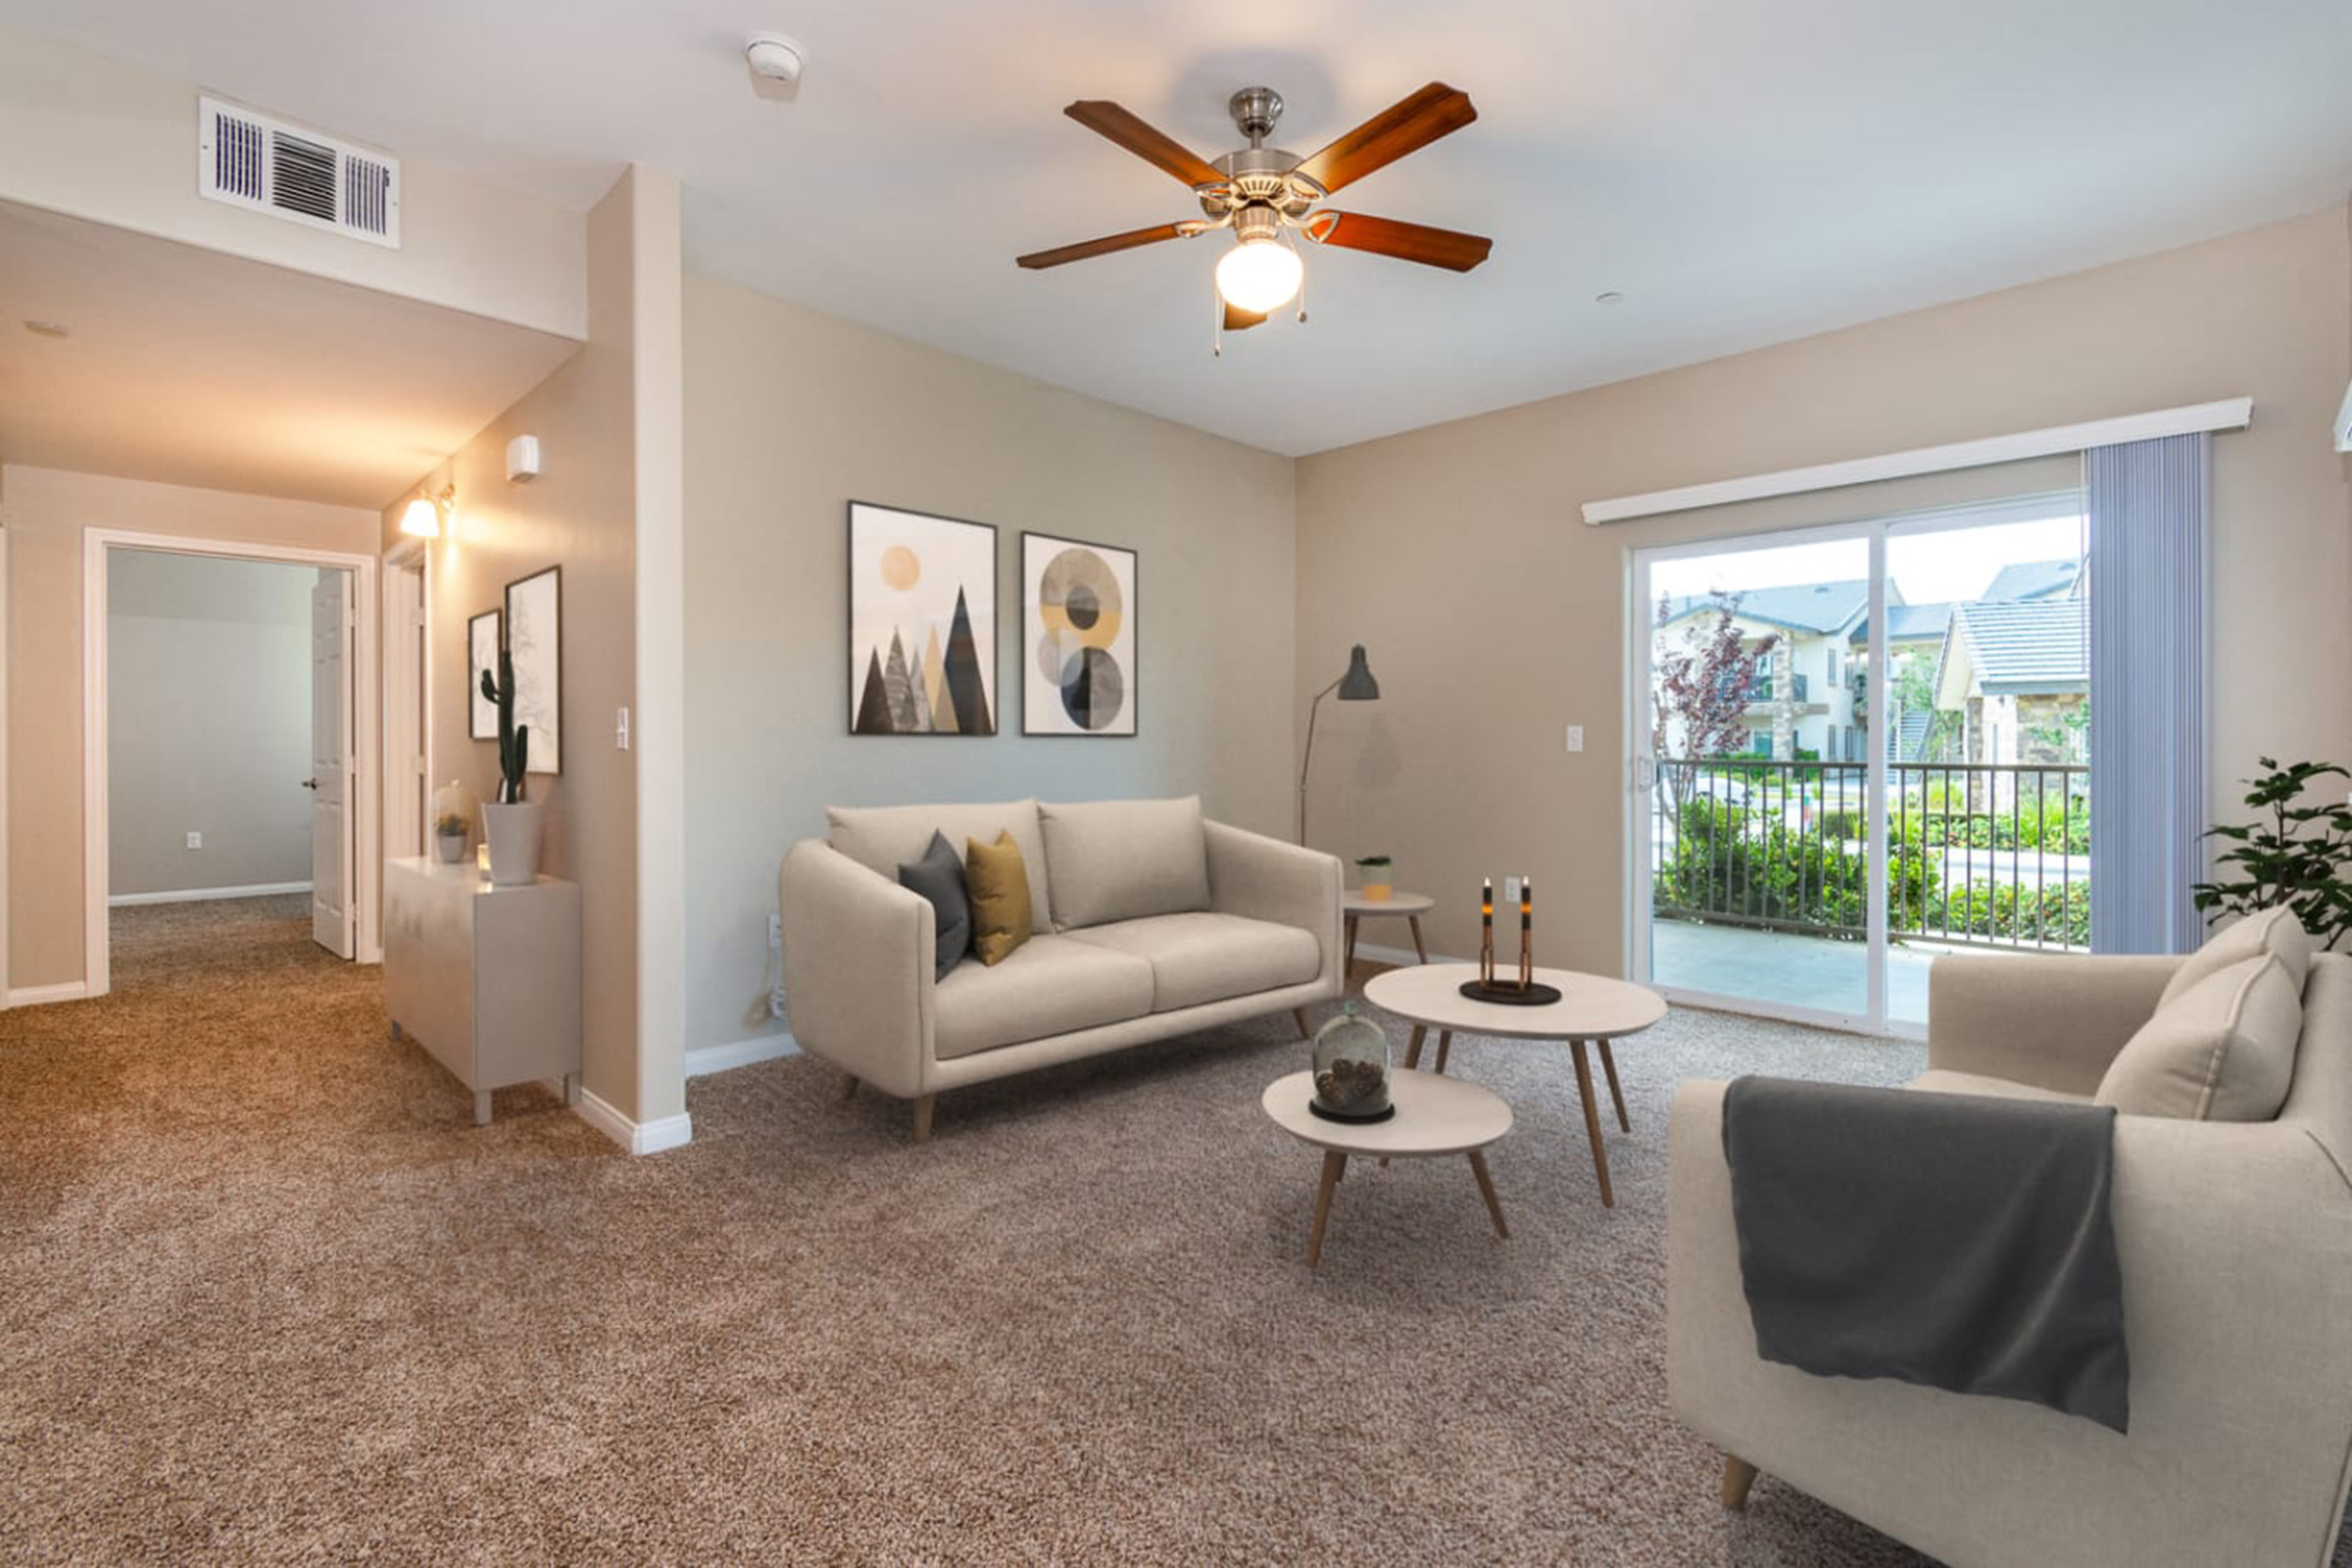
point(1262, 193)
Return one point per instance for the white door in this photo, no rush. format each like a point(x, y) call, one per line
point(329, 782)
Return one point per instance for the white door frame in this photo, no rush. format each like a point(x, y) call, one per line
point(408, 700)
point(364, 826)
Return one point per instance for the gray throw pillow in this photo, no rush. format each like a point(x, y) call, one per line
point(938, 878)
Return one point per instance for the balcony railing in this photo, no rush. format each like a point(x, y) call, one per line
point(1978, 853)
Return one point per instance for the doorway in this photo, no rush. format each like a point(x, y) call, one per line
point(229, 724)
point(1857, 749)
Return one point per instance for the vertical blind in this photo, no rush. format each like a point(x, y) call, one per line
point(2147, 501)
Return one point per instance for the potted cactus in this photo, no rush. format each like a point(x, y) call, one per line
point(512, 824)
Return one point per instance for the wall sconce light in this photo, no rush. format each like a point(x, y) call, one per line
point(423, 519)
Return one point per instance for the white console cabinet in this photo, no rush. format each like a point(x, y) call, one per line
point(486, 978)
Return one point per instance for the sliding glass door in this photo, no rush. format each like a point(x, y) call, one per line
point(1857, 749)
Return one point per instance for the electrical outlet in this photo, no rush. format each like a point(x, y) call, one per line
point(195, 841)
point(775, 933)
point(1576, 737)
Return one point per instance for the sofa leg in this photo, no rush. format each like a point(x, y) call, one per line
point(1737, 1476)
point(922, 1118)
point(1299, 1014)
point(849, 1089)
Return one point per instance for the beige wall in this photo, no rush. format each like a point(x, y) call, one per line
point(117, 143)
point(1494, 617)
point(44, 513)
point(580, 514)
point(789, 416)
point(208, 707)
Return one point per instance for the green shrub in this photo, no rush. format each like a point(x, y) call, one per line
point(1730, 861)
point(2058, 913)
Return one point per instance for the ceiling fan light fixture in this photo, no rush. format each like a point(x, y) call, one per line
point(1259, 273)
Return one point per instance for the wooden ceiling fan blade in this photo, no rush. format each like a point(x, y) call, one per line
point(1106, 119)
point(1238, 320)
point(1437, 110)
point(1104, 246)
point(1407, 242)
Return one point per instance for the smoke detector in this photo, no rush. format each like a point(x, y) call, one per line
point(775, 63)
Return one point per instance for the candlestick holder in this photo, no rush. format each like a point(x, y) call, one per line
point(1524, 989)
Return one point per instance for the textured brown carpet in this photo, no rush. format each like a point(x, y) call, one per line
point(272, 1297)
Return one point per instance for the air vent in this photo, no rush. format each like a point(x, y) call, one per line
point(250, 160)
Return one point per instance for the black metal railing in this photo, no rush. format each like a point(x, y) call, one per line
point(1978, 853)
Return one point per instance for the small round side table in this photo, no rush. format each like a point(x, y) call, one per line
point(1358, 909)
point(1434, 1116)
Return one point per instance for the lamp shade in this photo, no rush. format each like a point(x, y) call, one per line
point(1358, 685)
point(422, 519)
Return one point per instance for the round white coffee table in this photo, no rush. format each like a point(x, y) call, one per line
point(1593, 1011)
point(1358, 909)
point(1434, 1116)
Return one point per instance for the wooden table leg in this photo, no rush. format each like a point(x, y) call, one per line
point(1584, 1090)
point(1445, 1047)
point(1420, 947)
point(1737, 1476)
point(1486, 1189)
point(849, 1088)
point(1304, 1033)
point(1347, 963)
point(1608, 1064)
point(1412, 1047)
point(1334, 1163)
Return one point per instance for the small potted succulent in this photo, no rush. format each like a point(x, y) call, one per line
point(453, 817)
point(1375, 876)
point(512, 824)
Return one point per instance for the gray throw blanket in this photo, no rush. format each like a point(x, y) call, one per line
point(1957, 1241)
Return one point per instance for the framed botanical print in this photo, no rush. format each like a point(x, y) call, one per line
point(535, 638)
point(481, 656)
point(1079, 674)
point(922, 623)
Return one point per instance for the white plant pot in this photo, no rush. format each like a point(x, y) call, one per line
point(453, 848)
point(514, 835)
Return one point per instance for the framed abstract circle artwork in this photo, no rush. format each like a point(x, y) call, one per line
point(1079, 674)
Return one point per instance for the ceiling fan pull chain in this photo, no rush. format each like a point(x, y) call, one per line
point(1287, 240)
point(1217, 323)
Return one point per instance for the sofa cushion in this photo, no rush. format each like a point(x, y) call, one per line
point(1945, 1081)
point(999, 883)
point(2276, 931)
point(1112, 860)
point(2222, 1051)
point(938, 878)
point(1049, 986)
point(1200, 957)
point(882, 838)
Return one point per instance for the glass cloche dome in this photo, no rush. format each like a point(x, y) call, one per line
point(1352, 1068)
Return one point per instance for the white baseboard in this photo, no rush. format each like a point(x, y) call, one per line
point(254, 890)
point(39, 996)
point(741, 1053)
point(1366, 952)
point(637, 1137)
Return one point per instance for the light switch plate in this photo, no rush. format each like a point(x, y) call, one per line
point(1576, 737)
point(1510, 890)
point(621, 731)
point(195, 841)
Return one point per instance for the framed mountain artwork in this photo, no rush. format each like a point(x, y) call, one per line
point(1078, 665)
point(922, 623)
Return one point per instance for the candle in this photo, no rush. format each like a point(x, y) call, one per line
point(1486, 902)
point(1527, 901)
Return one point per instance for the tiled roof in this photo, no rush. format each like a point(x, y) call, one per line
point(1818, 606)
point(1910, 623)
point(2035, 643)
point(2032, 579)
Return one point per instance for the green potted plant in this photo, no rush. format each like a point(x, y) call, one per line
point(512, 824)
point(453, 814)
point(2299, 856)
point(1375, 876)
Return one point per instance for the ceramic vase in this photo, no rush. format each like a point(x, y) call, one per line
point(514, 835)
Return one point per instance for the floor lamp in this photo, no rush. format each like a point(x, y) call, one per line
point(1356, 686)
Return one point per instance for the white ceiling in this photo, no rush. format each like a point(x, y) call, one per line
point(1744, 173)
point(189, 367)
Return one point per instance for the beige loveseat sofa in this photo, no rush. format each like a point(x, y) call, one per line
point(2236, 1243)
point(1146, 920)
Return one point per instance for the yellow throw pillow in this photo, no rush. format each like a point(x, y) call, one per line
point(999, 883)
